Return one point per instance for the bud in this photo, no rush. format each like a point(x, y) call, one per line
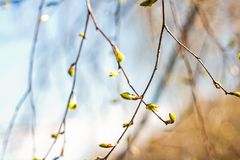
point(54, 135)
point(71, 70)
point(119, 56)
point(114, 73)
point(217, 84)
point(239, 55)
point(152, 107)
point(172, 117)
point(148, 3)
point(73, 102)
point(105, 145)
point(36, 158)
point(128, 96)
point(127, 124)
point(82, 35)
point(235, 94)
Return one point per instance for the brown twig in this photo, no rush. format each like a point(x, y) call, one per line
point(63, 122)
point(216, 83)
point(125, 75)
point(162, 82)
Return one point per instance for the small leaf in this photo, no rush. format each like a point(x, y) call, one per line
point(82, 35)
point(127, 124)
point(105, 145)
point(172, 117)
point(73, 102)
point(54, 135)
point(152, 107)
point(114, 73)
point(43, 18)
point(217, 84)
point(148, 3)
point(71, 70)
point(119, 56)
point(128, 96)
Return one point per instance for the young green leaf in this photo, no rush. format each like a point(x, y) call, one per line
point(128, 96)
point(152, 107)
point(71, 70)
point(73, 102)
point(114, 73)
point(105, 145)
point(54, 135)
point(235, 94)
point(148, 3)
point(172, 117)
point(82, 35)
point(119, 56)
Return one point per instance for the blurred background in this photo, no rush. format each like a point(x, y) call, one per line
point(211, 28)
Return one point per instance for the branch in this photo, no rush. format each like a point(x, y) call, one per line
point(216, 83)
point(162, 82)
point(208, 146)
point(27, 92)
point(63, 122)
point(125, 74)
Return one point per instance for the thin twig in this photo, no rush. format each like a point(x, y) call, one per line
point(11, 124)
point(28, 91)
point(125, 75)
point(216, 83)
point(75, 63)
point(162, 82)
point(209, 149)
